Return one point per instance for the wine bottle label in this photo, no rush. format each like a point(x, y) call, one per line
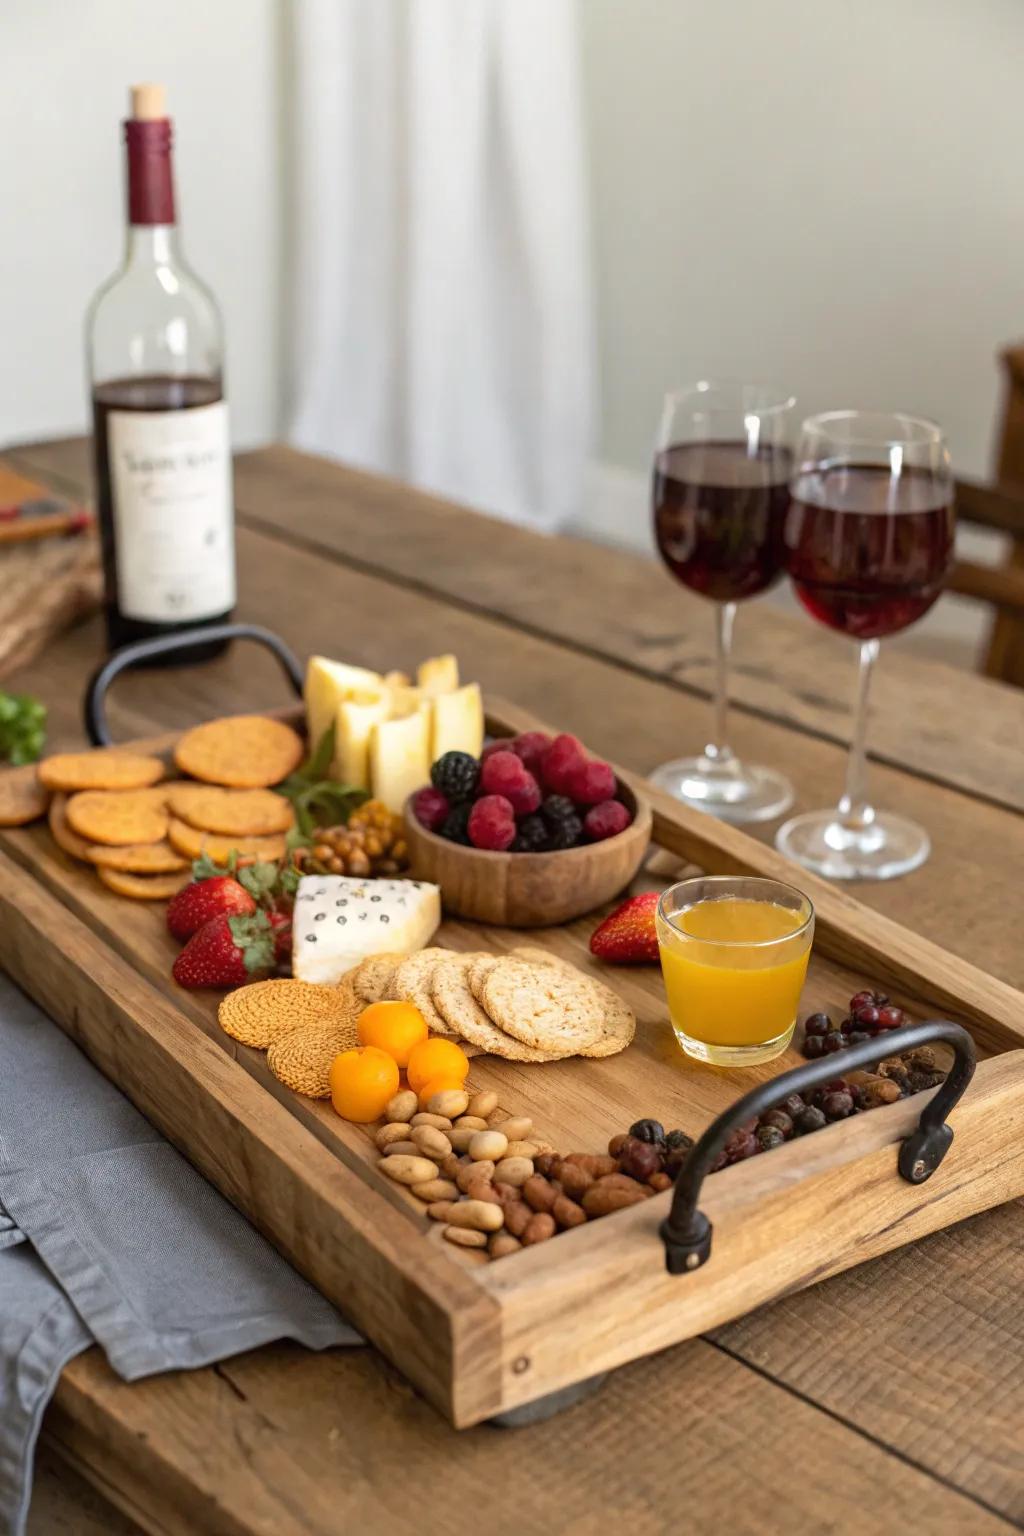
point(173, 517)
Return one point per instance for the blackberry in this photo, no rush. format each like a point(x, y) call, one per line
point(531, 836)
point(455, 775)
point(455, 826)
point(564, 826)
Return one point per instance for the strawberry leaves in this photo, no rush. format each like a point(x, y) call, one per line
point(255, 937)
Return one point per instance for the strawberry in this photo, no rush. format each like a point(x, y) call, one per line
point(281, 924)
point(628, 936)
point(226, 952)
point(218, 896)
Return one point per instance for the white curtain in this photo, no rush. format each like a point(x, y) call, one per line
point(442, 327)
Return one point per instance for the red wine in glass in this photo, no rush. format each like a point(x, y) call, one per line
point(868, 550)
point(719, 515)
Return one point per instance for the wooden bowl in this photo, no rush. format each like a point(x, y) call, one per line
point(529, 890)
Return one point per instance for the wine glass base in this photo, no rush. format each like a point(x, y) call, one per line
point(738, 793)
point(890, 846)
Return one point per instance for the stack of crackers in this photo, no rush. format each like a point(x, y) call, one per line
point(525, 1006)
point(301, 1025)
point(115, 810)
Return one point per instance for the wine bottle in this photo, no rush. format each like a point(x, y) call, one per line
point(160, 420)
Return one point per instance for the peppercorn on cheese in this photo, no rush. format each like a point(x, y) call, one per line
point(339, 922)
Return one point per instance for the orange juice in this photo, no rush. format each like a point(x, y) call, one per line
point(734, 967)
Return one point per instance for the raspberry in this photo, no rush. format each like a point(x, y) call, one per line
point(564, 754)
point(564, 826)
point(530, 746)
point(502, 744)
point(501, 772)
point(455, 775)
point(430, 808)
point(456, 824)
point(590, 783)
point(531, 836)
point(492, 824)
point(605, 820)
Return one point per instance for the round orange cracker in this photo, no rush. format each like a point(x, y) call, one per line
point(231, 812)
point(103, 768)
point(62, 834)
point(265, 1011)
point(143, 887)
point(116, 816)
point(240, 751)
point(191, 843)
point(22, 797)
point(138, 858)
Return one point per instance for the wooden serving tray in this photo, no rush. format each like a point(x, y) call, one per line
point(481, 1340)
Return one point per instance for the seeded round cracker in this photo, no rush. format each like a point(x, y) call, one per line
point(22, 797)
point(477, 975)
point(372, 977)
point(265, 1011)
point(302, 1058)
point(143, 887)
point(618, 1032)
point(449, 990)
point(116, 816)
point(411, 984)
point(546, 1006)
point(103, 768)
point(231, 812)
point(241, 751)
point(191, 843)
point(138, 858)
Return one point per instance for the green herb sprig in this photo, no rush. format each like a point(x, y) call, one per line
point(22, 728)
point(317, 800)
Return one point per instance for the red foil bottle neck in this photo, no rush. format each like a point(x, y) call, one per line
point(150, 174)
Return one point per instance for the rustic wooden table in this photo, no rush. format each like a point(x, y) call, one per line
point(889, 1397)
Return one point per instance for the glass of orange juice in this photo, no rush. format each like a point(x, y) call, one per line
point(734, 953)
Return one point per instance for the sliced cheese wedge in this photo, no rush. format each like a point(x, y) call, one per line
point(400, 758)
point(327, 683)
point(458, 722)
point(339, 921)
point(355, 721)
point(438, 674)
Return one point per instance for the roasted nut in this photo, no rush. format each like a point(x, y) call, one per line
point(438, 1209)
point(435, 1189)
point(465, 1237)
point(573, 1179)
point(488, 1145)
point(471, 1123)
point(407, 1169)
point(460, 1137)
point(516, 1128)
point(395, 1130)
point(660, 1182)
point(603, 1198)
point(513, 1170)
point(539, 1228)
point(545, 1162)
point(517, 1217)
point(520, 1149)
point(567, 1213)
point(450, 1165)
point(450, 1102)
point(402, 1149)
point(501, 1244)
point(542, 1146)
point(539, 1193)
point(595, 1165)
point(483, 1189)
point(481, 1215)
point(439, 1122)
point(431, 1143)
point(483, 1104)
point(470, 1173)
point(617, 1143)
point(507, 1194)
point(403, 1106)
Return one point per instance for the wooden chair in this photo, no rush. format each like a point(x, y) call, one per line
point(1000, 506)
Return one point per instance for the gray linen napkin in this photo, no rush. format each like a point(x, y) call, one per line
point(137, 1251)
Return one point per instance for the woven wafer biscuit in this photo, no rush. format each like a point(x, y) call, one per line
point(411, 984)
point(241, 751)
point(372, 977)
point(22, 797)
point(191, 843)
point(104, 768)
point(143, 887)
point(116, 816)
point(231, 812)
point(449, 990)
point(265, 1011)
point(545, 1006)
point(138, 858)
point(62, 834)
point(302, 1058)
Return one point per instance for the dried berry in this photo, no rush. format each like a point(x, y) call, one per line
point(837, 1105)
point(814, 1046)
point(818, 1024)
point(867, 1016)
point(648, 1130)
point(640, 1159)
point(678, 1141)
point(811, 1119)
point(836, 1042)
point(780, 1120)
point(891, 1018)
point(769, 1136)
point(743, 1147)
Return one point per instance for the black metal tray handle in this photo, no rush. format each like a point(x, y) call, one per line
point(686, 1231)
point(166, 645)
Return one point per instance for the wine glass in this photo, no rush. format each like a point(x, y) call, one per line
point(869, 540)
point(720, 495)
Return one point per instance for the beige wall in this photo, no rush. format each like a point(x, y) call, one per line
point(65, 66)
point(827, 193)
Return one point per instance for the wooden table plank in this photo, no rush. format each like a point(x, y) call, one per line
point(959, 729)
point(290, 1397)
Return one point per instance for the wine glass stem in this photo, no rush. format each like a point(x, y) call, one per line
point(855, 812)
point(718, 750)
